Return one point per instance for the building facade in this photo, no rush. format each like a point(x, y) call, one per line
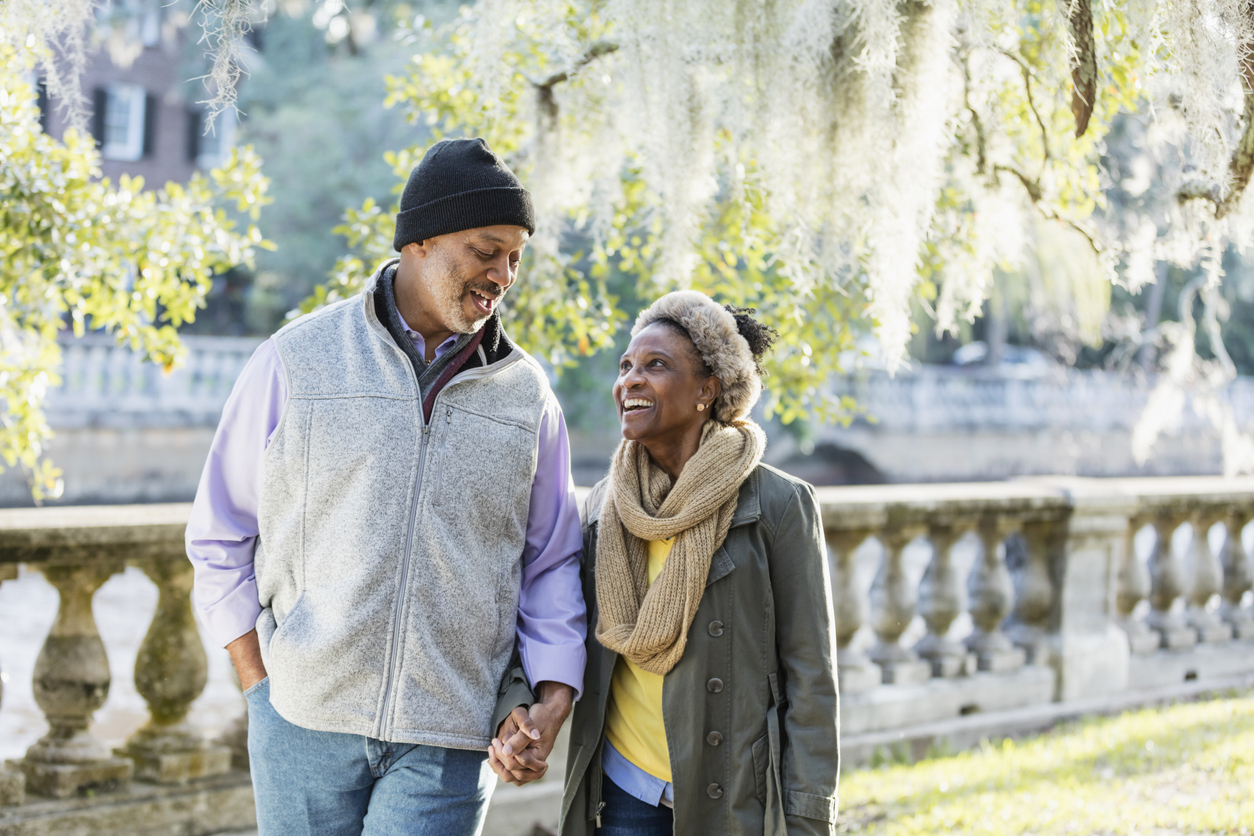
point(145, 113)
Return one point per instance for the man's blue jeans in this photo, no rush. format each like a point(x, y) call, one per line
point(312, 783)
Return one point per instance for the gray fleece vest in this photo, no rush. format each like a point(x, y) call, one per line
point(389, 561)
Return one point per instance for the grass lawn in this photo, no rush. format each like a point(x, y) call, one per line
point(1184, 769)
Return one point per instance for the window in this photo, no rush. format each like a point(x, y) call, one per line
point(209, 150)
point(150, 23)
point(122, 123)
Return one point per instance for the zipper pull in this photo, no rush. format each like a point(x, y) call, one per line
point(426, 434)
point(600, 807)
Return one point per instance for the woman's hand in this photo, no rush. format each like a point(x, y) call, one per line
point(520, 751)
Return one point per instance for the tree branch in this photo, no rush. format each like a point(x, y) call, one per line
point(593, 52)
point(1035, 194)
point(1084, 70)
point(1027, 71)
point(1241, 166)
point(981, 159)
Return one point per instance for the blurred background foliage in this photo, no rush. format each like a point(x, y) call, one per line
point(1038, 244)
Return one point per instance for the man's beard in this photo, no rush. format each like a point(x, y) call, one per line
point(449, 291)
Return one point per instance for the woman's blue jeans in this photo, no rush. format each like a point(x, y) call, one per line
point(312, 783)
point(626, 815)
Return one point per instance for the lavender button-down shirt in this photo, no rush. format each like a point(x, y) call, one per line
point(222, 531)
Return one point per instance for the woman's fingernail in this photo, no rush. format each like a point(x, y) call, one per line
point(535, 734)
point(507, 749)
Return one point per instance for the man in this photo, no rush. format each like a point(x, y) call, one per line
point(386, 517)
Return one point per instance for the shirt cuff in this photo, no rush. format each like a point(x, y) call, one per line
point(229, 618)
point(550, 663)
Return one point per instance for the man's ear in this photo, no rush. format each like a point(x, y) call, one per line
point(417, 249)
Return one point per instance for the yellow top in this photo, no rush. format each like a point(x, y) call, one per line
point(634, 721)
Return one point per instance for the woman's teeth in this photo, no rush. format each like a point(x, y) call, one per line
point(636, 403)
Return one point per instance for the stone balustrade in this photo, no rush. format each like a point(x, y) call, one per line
point(167, 775)
point(992, 597)
point(104, 384)
point(965, 602)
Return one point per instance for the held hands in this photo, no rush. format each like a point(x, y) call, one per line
point(520, 751)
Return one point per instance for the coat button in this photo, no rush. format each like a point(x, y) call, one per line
point(716, 628)
point(714, 791)
point(714, 738)
point(714, 685)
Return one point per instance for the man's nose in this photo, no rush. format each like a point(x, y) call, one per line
point(500, 274)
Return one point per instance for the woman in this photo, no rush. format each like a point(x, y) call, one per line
point(709, 704)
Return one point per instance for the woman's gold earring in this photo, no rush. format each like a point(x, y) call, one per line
point(700, 407)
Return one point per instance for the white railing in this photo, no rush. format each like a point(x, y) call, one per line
point(107, 385)
point(943, 398)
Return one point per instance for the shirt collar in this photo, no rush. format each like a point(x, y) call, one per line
point(420, 343)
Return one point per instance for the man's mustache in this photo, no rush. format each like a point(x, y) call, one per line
point(489, 289)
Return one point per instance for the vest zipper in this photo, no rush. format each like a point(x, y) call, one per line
point(384, 724)
point(400, 593)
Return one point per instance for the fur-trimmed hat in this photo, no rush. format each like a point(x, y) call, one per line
point(713, 331)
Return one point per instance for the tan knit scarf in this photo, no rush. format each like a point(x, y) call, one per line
point(649, 623)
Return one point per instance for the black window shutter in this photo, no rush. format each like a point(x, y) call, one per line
point(100, 101)
point(150, 123)
point(194, 127)
point(41, 98)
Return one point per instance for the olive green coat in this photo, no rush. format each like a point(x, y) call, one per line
point(751, 708)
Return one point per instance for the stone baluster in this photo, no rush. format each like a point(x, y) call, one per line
point(12, 781)
point(992, 595)
point(1029, 560)
point(170, 673)
point(892, 610)
point(71, 680)
point(1207, 580)
point(1166, 586)
point(854, 670)
point(941, 600)
point(1238, 577)
point(1132, 586)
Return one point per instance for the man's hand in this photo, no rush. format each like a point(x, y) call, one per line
point(246, 656)
point(520, 751)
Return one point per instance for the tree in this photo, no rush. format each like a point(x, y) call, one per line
point(835, 163)
point(78, 251)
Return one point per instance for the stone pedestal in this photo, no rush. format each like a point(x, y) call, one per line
point(947, 661)
point(1141, 639)
point(1002, 660)
point(65, 780)
point(1242, 624)
point(1173, 633)
point(12, 787)
point(1033, 641)
point(174, 759)
point(905, 671)
point(1214, 632)
point(856, 680)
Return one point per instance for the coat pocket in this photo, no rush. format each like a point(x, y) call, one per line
point(761, 763)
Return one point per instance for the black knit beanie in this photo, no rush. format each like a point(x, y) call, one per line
point(460, 184)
